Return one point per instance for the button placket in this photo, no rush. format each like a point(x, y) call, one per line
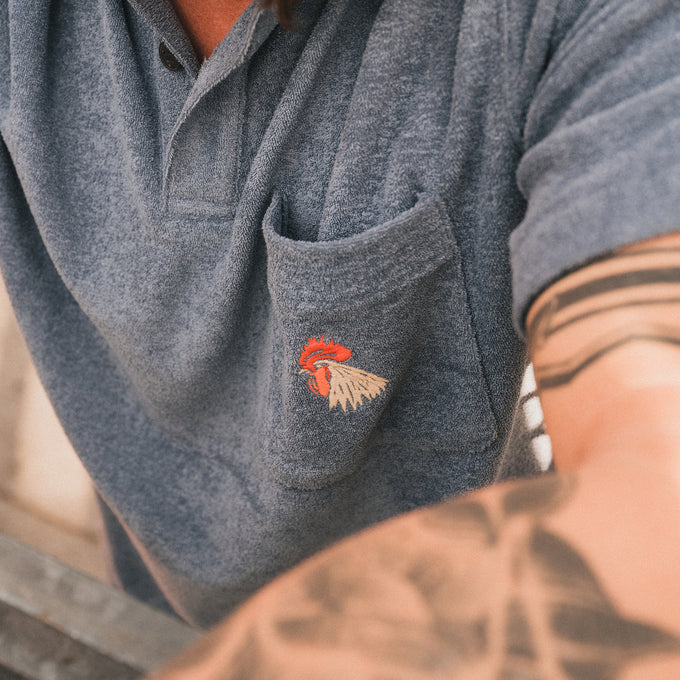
point(204, 154)
point(204, 159)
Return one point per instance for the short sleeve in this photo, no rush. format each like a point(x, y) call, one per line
point(601, 166)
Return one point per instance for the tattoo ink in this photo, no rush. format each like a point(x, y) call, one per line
point(647, 287)
point(487, 591)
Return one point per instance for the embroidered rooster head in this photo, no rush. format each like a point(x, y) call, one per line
point(328, 377)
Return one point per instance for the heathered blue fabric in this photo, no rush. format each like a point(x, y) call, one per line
point(172, 240)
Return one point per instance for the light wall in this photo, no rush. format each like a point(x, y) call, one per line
point(46, 498)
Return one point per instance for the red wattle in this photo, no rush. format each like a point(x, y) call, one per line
point(319, 381)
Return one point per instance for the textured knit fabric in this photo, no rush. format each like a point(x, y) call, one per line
point(270, 294)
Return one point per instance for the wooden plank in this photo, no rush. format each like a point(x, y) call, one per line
point(46, 605)
point(32, 650)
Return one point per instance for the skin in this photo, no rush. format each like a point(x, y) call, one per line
point(605, 343)
point(499, 585)
point(207, 22)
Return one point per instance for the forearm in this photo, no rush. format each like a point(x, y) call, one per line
point(515, 581)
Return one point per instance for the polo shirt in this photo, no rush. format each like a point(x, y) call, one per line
point(279, 295)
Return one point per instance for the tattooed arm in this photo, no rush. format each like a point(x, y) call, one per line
point(515, 582)
point(605, 342)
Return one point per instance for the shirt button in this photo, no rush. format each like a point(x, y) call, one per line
point(168, 59)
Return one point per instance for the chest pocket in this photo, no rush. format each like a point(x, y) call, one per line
point(374, 349)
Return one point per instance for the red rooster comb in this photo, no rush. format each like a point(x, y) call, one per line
point(317, 350)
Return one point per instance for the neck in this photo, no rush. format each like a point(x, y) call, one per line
point(208, 22)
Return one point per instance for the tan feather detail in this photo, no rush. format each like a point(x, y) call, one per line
point(350, 385)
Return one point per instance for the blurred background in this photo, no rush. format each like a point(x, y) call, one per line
point(46, 499)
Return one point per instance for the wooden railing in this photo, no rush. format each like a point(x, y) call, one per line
point(58, 624)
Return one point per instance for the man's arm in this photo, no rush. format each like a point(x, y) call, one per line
point(498, 586)
point(605, 342)
point(572, 576)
